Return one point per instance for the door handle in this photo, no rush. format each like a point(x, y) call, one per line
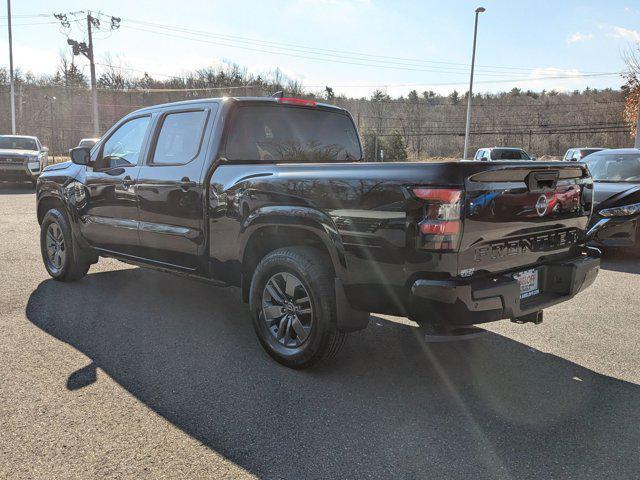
point(186, 183)
point(128, 181)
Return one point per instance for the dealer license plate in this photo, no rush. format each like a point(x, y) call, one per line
point(528, 281)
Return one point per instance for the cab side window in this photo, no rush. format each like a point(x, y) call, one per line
point(123, 147)
point(179, 138)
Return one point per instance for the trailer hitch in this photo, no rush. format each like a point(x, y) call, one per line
point(535, 318)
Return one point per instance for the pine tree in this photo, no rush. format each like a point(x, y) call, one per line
point(395, 150)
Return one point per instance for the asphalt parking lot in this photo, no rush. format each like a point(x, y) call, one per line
point(134, 373)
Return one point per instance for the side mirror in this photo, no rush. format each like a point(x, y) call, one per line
point(80, 155)
point(534, 158)
point(45, 149)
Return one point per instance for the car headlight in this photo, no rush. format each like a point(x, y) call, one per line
point(624, 211)
point(34, 163)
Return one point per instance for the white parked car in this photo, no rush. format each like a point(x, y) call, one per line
point(22, 158)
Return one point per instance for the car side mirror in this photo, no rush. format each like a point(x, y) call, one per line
point(534, 158)
point(45, 149)
point(80, 155)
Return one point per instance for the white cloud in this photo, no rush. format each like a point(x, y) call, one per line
point(579, 37)
point(625, 33)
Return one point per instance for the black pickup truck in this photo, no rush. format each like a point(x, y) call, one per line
point(272, 195)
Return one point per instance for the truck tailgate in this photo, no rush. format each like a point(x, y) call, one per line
point(519, 215)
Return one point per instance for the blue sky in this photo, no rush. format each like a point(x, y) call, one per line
point(402, 41)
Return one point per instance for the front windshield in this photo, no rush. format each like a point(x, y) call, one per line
point(18, 143)
point(614, 167)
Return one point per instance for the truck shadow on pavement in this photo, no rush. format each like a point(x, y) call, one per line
point(388, 406)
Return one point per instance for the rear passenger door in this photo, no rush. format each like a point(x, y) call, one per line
point(171, 188)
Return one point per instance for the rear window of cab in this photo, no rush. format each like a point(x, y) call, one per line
point(279, 133)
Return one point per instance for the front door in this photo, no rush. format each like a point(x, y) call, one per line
point(109, 221)
point(170, 188)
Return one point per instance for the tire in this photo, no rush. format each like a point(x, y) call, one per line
point(301, 333)
point(70, 263)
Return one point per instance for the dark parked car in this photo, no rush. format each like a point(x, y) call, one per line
point(21, 158)
point(616, 174)
point(577, 154)
point(502, 153)
point(272, 195)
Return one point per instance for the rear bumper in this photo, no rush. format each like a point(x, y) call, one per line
point(458, 302)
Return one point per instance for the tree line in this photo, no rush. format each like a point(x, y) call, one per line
point(420, 125)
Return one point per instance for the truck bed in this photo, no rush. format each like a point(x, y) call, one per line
point(369, 211)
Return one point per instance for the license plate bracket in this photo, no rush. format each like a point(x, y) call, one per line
point(529, 283)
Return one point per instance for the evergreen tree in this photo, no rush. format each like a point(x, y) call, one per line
point(395, 150)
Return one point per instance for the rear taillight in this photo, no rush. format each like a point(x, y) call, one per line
point(441, 225)
point(297, 101)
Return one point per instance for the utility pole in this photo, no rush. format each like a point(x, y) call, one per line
point(479, 10)
point(92, 66)
point(11, 80)
point(87, 50)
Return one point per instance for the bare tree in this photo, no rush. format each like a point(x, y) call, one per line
point(631, 88)
point(114, 75)
point(68, 73)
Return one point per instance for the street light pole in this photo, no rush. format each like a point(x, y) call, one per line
point(13, 92)
point(479, 10)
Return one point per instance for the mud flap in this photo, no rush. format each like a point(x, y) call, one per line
point(348, 319)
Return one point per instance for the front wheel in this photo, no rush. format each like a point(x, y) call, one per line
point(292, 302)
point(62, 259)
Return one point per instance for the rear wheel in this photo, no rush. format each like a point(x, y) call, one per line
point(292, 303)
point(63, 260)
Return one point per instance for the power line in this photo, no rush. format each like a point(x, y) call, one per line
point(317, 50)
point(27, 16)
point(342, 56)
point(27, 24)
point(331, 51)
point(370, 64)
